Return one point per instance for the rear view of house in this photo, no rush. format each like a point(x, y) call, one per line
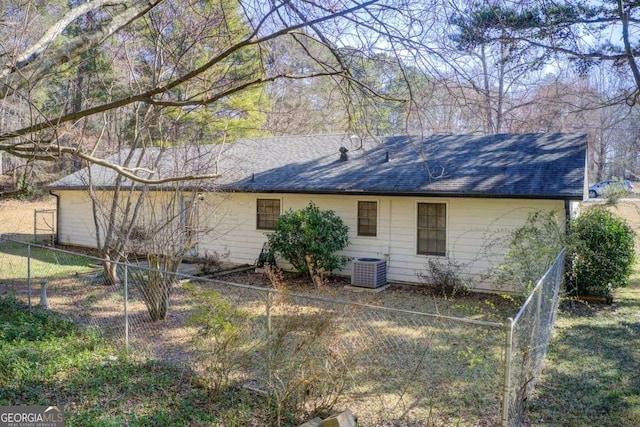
point(405, 199)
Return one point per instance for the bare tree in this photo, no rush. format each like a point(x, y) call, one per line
point(203, 75)
point(157, 222)
point(487, 73)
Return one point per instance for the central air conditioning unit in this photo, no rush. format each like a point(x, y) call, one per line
point(369, 272)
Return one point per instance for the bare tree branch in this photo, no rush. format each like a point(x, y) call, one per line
point(32, 70)
point(32, 53)
point(238, 88)
point(147, 95)
point(127, 172)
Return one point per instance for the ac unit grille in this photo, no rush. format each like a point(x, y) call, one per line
point(369, 272)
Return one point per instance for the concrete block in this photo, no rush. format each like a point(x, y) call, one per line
point(343, 419)
point(315, 422)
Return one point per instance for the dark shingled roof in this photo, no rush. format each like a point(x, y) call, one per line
point(550, 166)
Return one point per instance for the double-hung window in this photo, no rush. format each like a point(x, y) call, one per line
point(367, 218)
point(268, 211)
point(432, 229)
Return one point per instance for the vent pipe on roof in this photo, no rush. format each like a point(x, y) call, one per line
point(386, 157)
point(343, 154)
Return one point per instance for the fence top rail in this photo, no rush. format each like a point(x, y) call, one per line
point(268, 290)
point(541, 282)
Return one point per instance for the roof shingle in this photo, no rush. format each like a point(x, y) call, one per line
point(505, 165)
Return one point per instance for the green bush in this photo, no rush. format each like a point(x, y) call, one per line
point(309, 239)
point(601, 253)
point(532, 249)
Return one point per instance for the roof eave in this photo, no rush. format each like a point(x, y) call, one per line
point(450, 194)
point(411, 193)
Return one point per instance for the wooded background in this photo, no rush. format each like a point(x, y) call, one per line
point(80, 80)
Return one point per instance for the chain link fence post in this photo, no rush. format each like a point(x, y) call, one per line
point(44, 302)
point(507, 373)
point(29, 274)
point(537, 325)
point(126, 309)
point(268, 343)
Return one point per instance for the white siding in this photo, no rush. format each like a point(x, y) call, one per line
point(75, 220)
point(471, 225)
point(228, 224)
point(76, 225)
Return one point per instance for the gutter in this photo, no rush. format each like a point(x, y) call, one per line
point(352, 192)
point(358, 192)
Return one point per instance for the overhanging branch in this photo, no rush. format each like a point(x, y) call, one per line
point(40, 62)
point(130, 173)
point(238, 88)
point(33, 53)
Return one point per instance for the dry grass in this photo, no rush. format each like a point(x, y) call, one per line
point(399, 367)
point(16, 216)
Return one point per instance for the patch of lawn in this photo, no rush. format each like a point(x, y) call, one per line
point(592, 371)
point(46, 359)
point(44, 262)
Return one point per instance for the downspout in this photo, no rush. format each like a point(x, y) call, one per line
point(57, 196)
point(567, 214)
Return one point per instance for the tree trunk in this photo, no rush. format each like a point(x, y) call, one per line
point(489, 124)
point(156, 287)
point(157, 292)
point(110, 272)
point(602, 157)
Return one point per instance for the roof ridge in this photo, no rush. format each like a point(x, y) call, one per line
point(311, 135)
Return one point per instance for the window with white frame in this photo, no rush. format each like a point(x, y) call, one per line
point(432, 229)
point(367, 218)
point(267, 213)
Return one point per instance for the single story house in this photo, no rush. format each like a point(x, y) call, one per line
point(406, 199)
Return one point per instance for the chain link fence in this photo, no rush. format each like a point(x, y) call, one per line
point(528, 336)
point(390, 366)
